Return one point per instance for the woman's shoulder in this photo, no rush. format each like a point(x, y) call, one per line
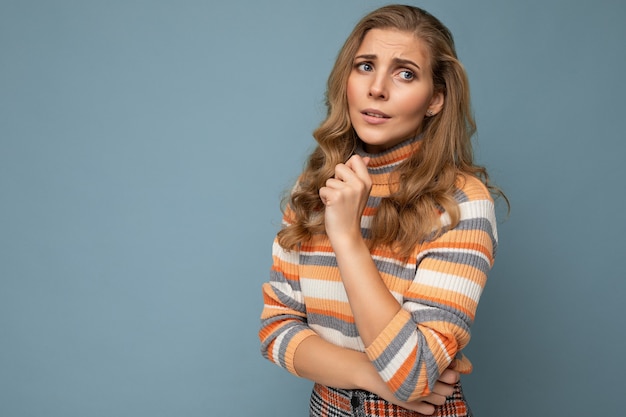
point(471, 188)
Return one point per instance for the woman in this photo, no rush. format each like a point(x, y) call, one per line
point(389, 233)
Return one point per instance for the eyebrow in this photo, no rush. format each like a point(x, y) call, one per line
point(397, 61)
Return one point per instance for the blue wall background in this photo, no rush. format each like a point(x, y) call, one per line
point(144, 147)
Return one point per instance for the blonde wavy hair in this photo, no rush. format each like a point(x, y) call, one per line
point(427, 179)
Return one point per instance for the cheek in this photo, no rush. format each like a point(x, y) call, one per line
point(415, 105)
point(414, 110)
point(350, 94)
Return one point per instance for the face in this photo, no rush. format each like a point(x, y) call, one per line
point(390, 89)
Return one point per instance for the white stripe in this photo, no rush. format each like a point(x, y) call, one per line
point(318, 253)
point(273, 307)
point(405, 265)
point(277, 346)
point(337, 338)
point(366, 221)
point(476, 209)
point(413, 307)
point(441, 345)
point(288, 290)
point(401, 356)
point(285, 256)
point(331, 290)
point(327, 290)
point(480, 209)
point(449, 282)
point(444, 219)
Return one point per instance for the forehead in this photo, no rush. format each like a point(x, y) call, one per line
point(395, 44)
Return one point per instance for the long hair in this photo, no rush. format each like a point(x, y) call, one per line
point(428, 177)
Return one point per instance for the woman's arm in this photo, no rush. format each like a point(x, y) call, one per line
point(288, 341)
point(345, 197)
point(331, 365)
point(411, 344)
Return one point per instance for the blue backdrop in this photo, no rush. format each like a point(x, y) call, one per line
point(144, 148)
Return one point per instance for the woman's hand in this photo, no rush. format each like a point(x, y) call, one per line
point(345, 196)
point(443, 388)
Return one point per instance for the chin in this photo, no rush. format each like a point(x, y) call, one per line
point(379, 144)
point(374, 140)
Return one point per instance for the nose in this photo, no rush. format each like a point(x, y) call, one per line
point(378, 88)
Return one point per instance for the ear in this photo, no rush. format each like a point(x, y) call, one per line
point(436, 103)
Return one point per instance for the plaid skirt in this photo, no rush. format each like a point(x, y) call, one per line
point(333, 402)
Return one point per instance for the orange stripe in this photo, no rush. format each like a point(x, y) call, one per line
point(320, 273)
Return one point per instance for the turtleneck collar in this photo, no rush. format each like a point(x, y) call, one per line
point(383, 164)
point(388, 159)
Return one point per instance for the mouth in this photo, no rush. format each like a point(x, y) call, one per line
point(375, 113)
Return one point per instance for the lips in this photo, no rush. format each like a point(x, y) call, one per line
point(374, 117)
point(375, 113)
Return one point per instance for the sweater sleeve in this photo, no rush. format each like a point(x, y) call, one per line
point(283, 319)
point(433, 326)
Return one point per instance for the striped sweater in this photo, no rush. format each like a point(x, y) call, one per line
point(438, 288)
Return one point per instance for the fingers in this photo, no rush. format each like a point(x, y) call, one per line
point(444, 386)
point(421, 407)
point(353, 173)
point(331, 193)
point(358, 160)
point(334, 183)
point(358, 165)
point(449, 376)
point(344, 172)
point(348, 191)
point(443, 389)
point(436, 397)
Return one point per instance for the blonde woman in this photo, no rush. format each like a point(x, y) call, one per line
point(389, 233)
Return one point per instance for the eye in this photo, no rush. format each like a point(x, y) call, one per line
point(364, 66)
point(406, 75)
